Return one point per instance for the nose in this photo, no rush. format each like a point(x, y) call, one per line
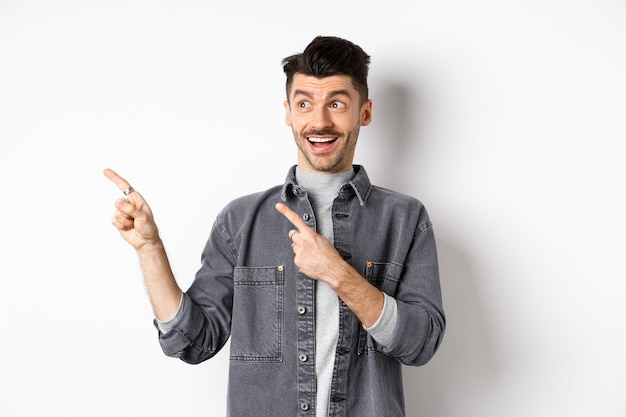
point(320, 118)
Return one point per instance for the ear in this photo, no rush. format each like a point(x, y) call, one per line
point(366, 113)
point(287, 113)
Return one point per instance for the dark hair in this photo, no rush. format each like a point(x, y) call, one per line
point(329, 55)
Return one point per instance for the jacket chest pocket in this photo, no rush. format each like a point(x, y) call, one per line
point(384, 276)
point(257, 324)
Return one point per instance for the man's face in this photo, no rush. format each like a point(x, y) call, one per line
point(325, 117)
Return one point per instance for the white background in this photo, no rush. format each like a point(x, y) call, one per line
point(507, 119)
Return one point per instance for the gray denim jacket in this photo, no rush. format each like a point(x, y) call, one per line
point(248, 289)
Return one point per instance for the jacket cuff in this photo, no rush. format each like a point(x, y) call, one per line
point(383, 329)
point(166, 326)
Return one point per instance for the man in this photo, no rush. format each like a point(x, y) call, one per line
point(325, 285)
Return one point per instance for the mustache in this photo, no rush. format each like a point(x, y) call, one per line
point(323, 132)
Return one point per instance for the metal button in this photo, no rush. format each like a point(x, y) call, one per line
point(304, 406)
point(302, 357)
point(306, 217)
point(301, 310)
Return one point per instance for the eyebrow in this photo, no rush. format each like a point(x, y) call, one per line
point(331, 95)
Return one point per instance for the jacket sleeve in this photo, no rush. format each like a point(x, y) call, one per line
point(420, 317)
point(203, 325)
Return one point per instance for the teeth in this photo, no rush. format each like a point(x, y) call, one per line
point(321, 140)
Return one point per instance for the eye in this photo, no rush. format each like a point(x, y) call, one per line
point(304, 104)
point(337, 105)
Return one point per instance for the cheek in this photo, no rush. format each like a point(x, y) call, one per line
point(297, 122)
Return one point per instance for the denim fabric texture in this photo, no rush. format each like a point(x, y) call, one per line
point(249, 290)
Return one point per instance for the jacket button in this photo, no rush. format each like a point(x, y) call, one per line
point(301, 310)
point(304, 406)
point(306, 217)
point(302, 357)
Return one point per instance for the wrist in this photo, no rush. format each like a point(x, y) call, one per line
point(151, 247)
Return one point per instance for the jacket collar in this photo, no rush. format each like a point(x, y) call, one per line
point(360, 184)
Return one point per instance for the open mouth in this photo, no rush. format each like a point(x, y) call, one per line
point(322, 140)
point(321, 144)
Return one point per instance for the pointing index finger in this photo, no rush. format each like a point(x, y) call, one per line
point(121, 183)
point(292, 216)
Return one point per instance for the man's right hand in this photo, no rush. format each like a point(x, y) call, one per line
point(133, 217)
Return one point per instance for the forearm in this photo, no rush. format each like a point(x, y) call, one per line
point(362, 298)
point(163, 291)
